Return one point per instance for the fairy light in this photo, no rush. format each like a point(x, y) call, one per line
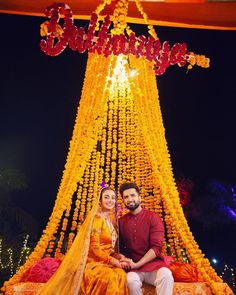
point(229, 271)
point(1, 263)
point(185, 258)
point(8, 262)
point(24, 252)
point(11, 265)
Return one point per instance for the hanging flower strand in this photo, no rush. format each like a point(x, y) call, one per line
point(151, 29)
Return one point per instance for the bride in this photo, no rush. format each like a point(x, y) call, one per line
point(91, 266)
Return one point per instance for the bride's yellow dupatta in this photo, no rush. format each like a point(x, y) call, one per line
point(68, 277)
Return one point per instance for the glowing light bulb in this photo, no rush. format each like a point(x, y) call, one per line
point(214, 260)
point(133, 73)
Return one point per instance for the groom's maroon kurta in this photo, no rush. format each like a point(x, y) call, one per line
point(139, 233)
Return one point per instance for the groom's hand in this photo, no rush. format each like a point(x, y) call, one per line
point(133, 265)
point(125, 265)
point(130, 263)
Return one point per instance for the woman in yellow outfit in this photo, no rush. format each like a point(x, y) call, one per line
point(103, 272)
point(91, 266)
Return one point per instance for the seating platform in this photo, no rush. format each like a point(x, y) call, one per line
point(28, 288)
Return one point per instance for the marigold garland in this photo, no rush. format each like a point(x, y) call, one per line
point(151, 30)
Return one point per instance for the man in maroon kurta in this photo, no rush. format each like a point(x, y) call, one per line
point(141, 240)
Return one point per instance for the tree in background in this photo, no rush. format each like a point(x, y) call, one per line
point(14, 220)
point(216, 206)
point(18, 229)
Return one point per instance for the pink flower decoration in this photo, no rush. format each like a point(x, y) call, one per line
point(42, 270)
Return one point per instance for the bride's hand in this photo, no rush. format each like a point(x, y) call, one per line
point(125, 259)
point(115, 262)
point(125, 265)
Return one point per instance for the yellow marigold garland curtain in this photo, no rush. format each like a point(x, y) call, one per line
point(119, 136)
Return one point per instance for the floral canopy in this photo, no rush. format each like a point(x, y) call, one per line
point(119, 133)
point(208, 14)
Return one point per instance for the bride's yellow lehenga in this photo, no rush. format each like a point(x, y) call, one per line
point(86, 268)
point(99, 276)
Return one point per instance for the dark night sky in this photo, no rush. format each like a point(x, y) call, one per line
point(40, 94)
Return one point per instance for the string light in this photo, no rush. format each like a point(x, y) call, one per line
point(10, 261)
point(1, 262)
point(228, 272)
point(24, 252)
point(9, 257)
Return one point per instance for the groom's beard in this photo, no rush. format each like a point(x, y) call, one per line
point(132, 206)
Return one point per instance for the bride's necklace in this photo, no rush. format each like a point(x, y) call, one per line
point(111, 229)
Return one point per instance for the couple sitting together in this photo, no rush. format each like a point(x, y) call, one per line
point(93, 266)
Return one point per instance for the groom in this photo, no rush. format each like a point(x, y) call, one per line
point(141, 239)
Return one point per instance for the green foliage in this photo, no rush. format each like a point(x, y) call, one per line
point(14, 220)
point(12, 179)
